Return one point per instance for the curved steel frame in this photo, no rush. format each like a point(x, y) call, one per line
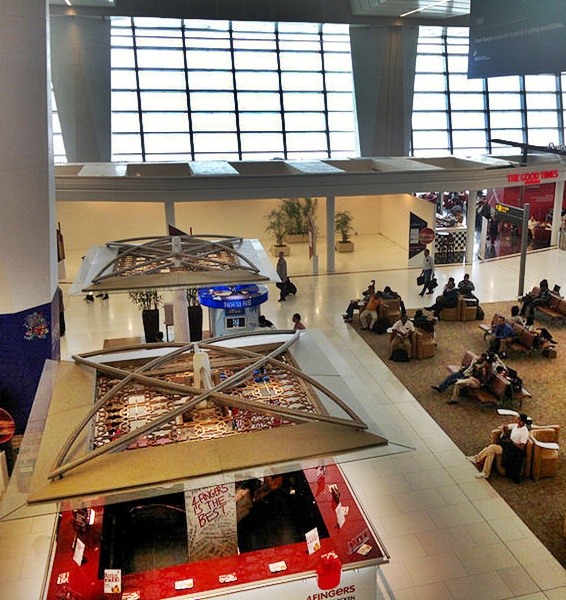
point(216, 394)
point(159, 250)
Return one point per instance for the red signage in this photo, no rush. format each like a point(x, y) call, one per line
point(426, 235)
point(531, 178)
point(7, 426)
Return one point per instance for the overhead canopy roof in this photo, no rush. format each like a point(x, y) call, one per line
point(307, 412)
point(233, 180)
point(171, 262)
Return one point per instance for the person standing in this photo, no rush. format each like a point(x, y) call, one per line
point(282, 272)
point(428, 271)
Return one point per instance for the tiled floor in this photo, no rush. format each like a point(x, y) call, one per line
point(450, 536)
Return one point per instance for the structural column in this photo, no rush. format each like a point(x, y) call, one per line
point(383, 61)
point(28, 259)
point(330, 234)
point(557, 212)
point(80, 58)
point(471, 225)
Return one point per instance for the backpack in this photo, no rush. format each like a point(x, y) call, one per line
point(400, 355)
point(381, 326)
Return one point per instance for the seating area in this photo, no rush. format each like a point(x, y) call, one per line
point(556, 309)
point(523, 340)
point(466, 310)
point(497, 391)
point(542, 453)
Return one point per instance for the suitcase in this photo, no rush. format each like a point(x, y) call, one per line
point(290, 288)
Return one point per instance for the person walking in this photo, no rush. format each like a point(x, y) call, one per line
point(428, 271)
point(282, 272)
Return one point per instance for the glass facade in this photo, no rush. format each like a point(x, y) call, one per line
point(206, 90)
point(456, 115)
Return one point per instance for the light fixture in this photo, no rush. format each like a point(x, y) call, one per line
point(423, 8)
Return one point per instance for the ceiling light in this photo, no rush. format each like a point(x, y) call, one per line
point(423, 8)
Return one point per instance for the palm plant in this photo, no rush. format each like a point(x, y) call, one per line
point(277, 224)
point(343, 224)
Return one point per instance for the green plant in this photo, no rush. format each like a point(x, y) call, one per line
point(277, 224)
point(192, 297)
point(343, 224)
point(146, 299)
point(297, 212)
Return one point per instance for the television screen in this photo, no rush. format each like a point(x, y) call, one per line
point(516, 37)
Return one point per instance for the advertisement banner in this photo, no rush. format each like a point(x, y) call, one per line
point(355, 584)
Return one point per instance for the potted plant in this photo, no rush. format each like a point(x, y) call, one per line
point(298, 212)
point(148, 301)
point(195, 315)
point(343, 226)
point(277, 225)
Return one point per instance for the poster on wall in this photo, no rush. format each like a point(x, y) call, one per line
point(418, 234)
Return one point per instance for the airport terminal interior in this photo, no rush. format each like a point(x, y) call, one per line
point(448, 535)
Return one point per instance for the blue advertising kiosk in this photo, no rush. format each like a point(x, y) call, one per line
point(233, 308)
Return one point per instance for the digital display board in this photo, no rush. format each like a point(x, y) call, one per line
point(516, 37)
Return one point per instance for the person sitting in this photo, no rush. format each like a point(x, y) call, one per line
point(508, 453)
point(449, 298)
point(263, 322)
point(419, 318)
point(463, 372)
point(516, 316)
point(355, 303)
point(389, 294)
point(297, 322)
point(371, 311)
point(531, 301)
point(401, 335)
point(501, 331)
point(543, 334)
point(466, 287)
point(480, 375)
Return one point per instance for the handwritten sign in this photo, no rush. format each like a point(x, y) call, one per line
point(211, 522)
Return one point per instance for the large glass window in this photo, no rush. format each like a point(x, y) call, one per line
point(472, 112)
point(230, 90)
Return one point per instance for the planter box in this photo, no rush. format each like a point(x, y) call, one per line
point(344, 246)
point(150, 320)
point(285, 248)
point(297, 239)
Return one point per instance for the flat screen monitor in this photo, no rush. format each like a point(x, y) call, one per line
point(516, 37)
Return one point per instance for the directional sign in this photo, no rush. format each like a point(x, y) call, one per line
point(510, 213)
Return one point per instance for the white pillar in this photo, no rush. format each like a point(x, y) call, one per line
point(383, 61)
point(330, 234)
point(169, 215)
point(557, 212)
point(471, 224)
point(181, 316)
point(28, 265)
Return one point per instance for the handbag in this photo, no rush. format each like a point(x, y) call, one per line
point(420, 280)
point(433, 283)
